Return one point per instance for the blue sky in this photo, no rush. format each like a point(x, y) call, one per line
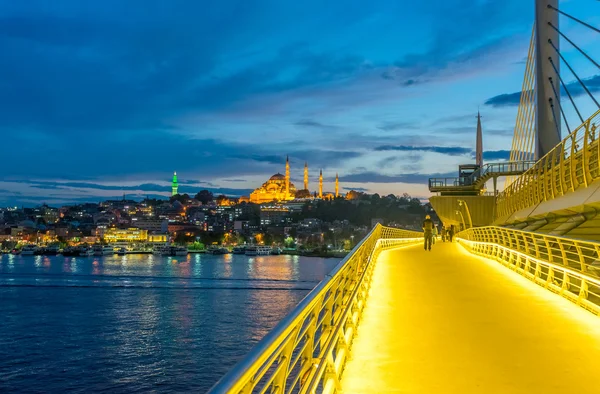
point(98, 99)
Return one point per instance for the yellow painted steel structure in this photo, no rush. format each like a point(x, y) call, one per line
point(574, 163)
point(523, 144)
point(565, 266)
point(448, 321)
point(308, 349)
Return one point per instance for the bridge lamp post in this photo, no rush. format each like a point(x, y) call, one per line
point(463, 219)
point(461, 203)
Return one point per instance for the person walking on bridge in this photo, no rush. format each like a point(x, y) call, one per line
point(427, 232)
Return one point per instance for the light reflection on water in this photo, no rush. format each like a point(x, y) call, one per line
point(140, 322)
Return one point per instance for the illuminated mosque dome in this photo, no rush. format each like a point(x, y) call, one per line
point(275, 189)
point(277, 177)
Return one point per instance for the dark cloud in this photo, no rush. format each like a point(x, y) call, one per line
point(358, 189)
point(496, 155)
point(373, 177)
point(313, 123)
point(447, 150)
point(144, 187)
point(575, 88)
point(392, 126)
point(103, 92)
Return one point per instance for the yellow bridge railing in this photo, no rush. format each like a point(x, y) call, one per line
point(565, 266)
point(307, 350)
point(572, 164)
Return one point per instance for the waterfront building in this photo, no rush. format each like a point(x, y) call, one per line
point(156, 225)
point(112, 235)
point(157, 238)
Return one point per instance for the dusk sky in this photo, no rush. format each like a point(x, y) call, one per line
point(102, 98)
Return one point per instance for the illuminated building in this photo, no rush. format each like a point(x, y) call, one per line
point(157, 238)
point(321, 184)
point(125, 235)
point(337, 185)
point(153, 225)
point(304, 193)
point(305, 176)
point(273, 214)
point(175, 186)
point(280, 188)
point(287, 176)
point(277, 188)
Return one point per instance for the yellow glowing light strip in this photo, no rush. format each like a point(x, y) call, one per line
point(551, 265)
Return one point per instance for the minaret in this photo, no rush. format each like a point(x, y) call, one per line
point(321, 184)
point(305, 176)
point(479, 144)
point(337, 185)
point(287, 177)
point(175, 185)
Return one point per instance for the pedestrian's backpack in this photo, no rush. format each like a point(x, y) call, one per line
point(428, 225)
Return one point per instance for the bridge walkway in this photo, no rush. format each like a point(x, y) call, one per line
point(447, 321)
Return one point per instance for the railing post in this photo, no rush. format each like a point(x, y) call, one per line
point(587, 176)
point(573, 161)
point(583, 291)
point(285, 359)
point(563, 253)
point(563, 175)
point(581, 257)
point(309, 351)
point(553, 188)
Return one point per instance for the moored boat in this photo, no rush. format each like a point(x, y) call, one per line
point(84, 251)
point(178, 251)
point(51, 250)
point(258, 250)
point(102, 250)
point(238, 250)
point(29, 250)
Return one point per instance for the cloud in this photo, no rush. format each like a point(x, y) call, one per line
point(373, 177)
point(392, 126)
point(106, 98)
point(313, 123)
point(574, 88)
point(496, 155)
point(358, 189)
point(447, 150)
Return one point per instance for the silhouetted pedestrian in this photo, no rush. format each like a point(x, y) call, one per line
point(427, 232)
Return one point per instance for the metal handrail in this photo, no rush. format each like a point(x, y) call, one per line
point(307, 350)
point(479, 176)
point(574, 163)
point(569, 267)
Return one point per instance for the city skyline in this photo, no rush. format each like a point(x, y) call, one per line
point(101, 100)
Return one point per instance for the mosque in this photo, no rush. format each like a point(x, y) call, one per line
point(280, 188)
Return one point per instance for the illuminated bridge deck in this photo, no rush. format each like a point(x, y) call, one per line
point(476, 327)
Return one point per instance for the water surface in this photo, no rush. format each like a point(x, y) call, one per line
point(140, 323)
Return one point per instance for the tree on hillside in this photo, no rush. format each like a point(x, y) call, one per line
point(182, 198)
point(204, 196)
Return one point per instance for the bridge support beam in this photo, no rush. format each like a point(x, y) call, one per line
point(547, 117)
